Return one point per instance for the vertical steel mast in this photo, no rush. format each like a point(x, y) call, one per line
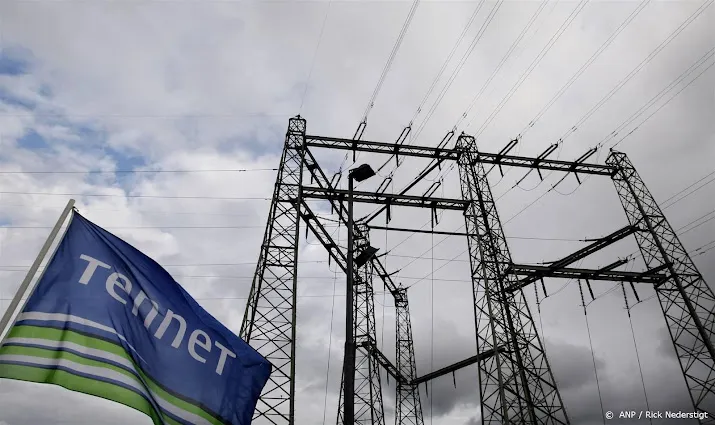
point(687, 302)
point(368, 387)
point(270, 318)
point(408, 406)
point(516, 385)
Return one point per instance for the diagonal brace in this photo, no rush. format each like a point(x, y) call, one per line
point(456, 366)
point(372, 349)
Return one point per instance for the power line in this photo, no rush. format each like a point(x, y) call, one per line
point(662, 106)
point(456, 71)
point(260, 227)
point(448, 60)
point(245, 298)
point(586, 65)
point(670, 204)
point(535, 200)
point(704, 248)
point(699, 224)
point(658, 96)
point(506, 56)
point(247, 263)
point(227, 170)
point(237, 198)
point(693, 184)
point(140, 116)
point(391, 58)
point(638, 113)
point(315, 55)
point(151, 227)
point(136, 209)
point(637, 69)
point(554, 38)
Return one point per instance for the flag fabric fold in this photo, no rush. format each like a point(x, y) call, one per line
point(107, 320)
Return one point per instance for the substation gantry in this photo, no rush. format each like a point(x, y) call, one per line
point(516, 385)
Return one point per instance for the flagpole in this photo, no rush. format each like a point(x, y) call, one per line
point(5, 321)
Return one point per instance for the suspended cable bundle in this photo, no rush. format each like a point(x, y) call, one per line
point(708, 55)
point(637, 69)
point(456, 71)
point(663, 105)
point(564, 26)
point(703, 60)
point(390, 59)
point(502, 62)
point(586, 65)
point(447, 61)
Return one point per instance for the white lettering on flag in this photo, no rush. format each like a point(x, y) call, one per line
point(197, 337)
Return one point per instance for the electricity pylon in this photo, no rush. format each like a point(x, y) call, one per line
point(516, 385)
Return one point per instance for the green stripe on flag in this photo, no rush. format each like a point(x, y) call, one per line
point(84, 385)
point(53, 334)
point(61, 354)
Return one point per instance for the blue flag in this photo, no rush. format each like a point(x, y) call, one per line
point(107, 320)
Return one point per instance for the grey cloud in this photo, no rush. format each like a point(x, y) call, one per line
point(572, 365)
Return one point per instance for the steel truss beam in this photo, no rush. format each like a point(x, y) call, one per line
point(515, 385)
point(453, 155)
point(384, 198)
point(581, 253)
point(649, 276)
point(686, 300)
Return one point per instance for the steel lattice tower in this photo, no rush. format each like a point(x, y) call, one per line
point(269, 320)
point(516, 385)
point(687, 302)
point(368, 389)
point(408, 408)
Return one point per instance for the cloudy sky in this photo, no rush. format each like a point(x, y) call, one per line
point(128, 88)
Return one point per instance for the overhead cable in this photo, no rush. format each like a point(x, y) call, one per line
point(586, 65)
point(456, 71)
point(637, 69)
point(659, 95)
point(315, 55)
point(447, 61)
point(390, 59)
point(557, 35)
point(638, 113)
point(137, 171)
point(506, 56)
point(126, 195)
point(662, 106)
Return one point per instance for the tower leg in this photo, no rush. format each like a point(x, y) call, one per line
point(369, 408)
point(516, 384)
point(270, 316)
point(687, 302)
point(408, 406)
